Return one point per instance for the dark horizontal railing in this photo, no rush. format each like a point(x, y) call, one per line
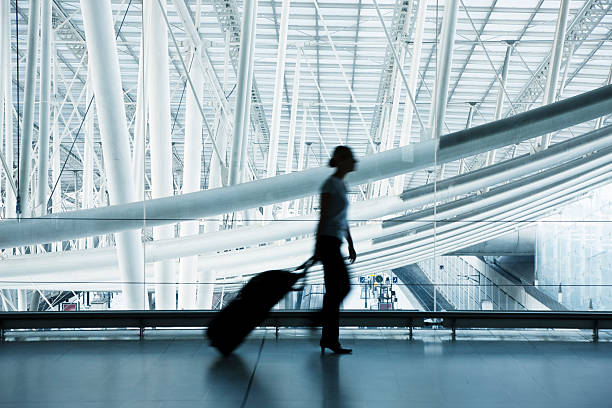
point(296, 318)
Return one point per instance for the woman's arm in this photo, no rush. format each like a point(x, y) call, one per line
point(351, 248)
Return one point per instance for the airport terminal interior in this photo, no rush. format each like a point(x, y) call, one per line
point(157, 155)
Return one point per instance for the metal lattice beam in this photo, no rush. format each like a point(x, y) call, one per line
point(589, 16)
point(404, 13)
point(229, 19)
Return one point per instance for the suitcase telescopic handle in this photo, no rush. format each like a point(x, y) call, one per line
point(304, 269)
point(306, 265)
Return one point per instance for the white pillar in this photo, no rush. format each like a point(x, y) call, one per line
point(216, 175)
point(56, 197)
point(106, 81)
point(415, 64)
point(295, 93)
point(25, 162)
point(301, 154)
point(7, 80)
point(88, 155)
point(391, 126)
point(468, 125)
point(555, 64)
point(56, 206)
point(244, 170)
point(568, 61)
point(395, 101)
point(5, 172)
point(500, 97)
point(277, 101)
point(22, 300)
point(4, 61)
point(206, 280)
point(191, 182)
point(44, 109)
point(158, 88)
point(243, 93)
point(447, 39)
point(140, 126)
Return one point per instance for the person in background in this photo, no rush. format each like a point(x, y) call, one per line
point(332, 230)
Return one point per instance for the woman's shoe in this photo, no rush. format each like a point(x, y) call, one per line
point(336, 348)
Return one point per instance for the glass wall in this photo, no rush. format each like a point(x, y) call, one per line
point(573, 254)
point(168, 167)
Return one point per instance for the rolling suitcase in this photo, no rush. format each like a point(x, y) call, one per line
point(251, 306)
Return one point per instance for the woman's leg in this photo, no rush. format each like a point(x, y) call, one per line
point(336, 287)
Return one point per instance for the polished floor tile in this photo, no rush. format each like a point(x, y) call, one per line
point(482, 368)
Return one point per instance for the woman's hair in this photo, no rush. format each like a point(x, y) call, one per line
point(340, 153)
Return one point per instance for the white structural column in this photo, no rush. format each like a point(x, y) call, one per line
point(158, 89)
point(7, 80)
point(397, 82)
point(191, 182)
point(56, 205)
point(56, 197)
point(88, 155)
point(248, 215)
point(140, 126)
point(390, 128)
point(555, 64)
point(206, 285)
point(245, 130)
point(44, 128)
point(106, 81)
point(298, 204)
point(206, 276)
point(295, 93)
point(25, 163)
point(468, 125)
point(5, 171)
point(500, 97)
point(277, 102)
point(438, 111)
point(22, 300)
point(397, 89)
point(243, 93)
point(568, 61)
point(415, 64)
point(216, 175)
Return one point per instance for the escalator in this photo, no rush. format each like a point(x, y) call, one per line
point(415, 280)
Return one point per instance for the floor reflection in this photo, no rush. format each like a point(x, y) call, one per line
point(331, 386)
point(234, 381)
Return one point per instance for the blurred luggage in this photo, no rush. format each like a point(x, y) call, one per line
point(251, 306)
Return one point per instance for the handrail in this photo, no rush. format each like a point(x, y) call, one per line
point(307, 318)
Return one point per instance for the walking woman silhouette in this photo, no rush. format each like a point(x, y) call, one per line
point(332, 230)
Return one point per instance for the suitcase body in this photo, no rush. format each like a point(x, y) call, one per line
point(250, 307)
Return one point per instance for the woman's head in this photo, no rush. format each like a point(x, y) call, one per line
point(343, 159)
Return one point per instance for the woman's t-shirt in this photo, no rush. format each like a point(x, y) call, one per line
point(335, 223)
